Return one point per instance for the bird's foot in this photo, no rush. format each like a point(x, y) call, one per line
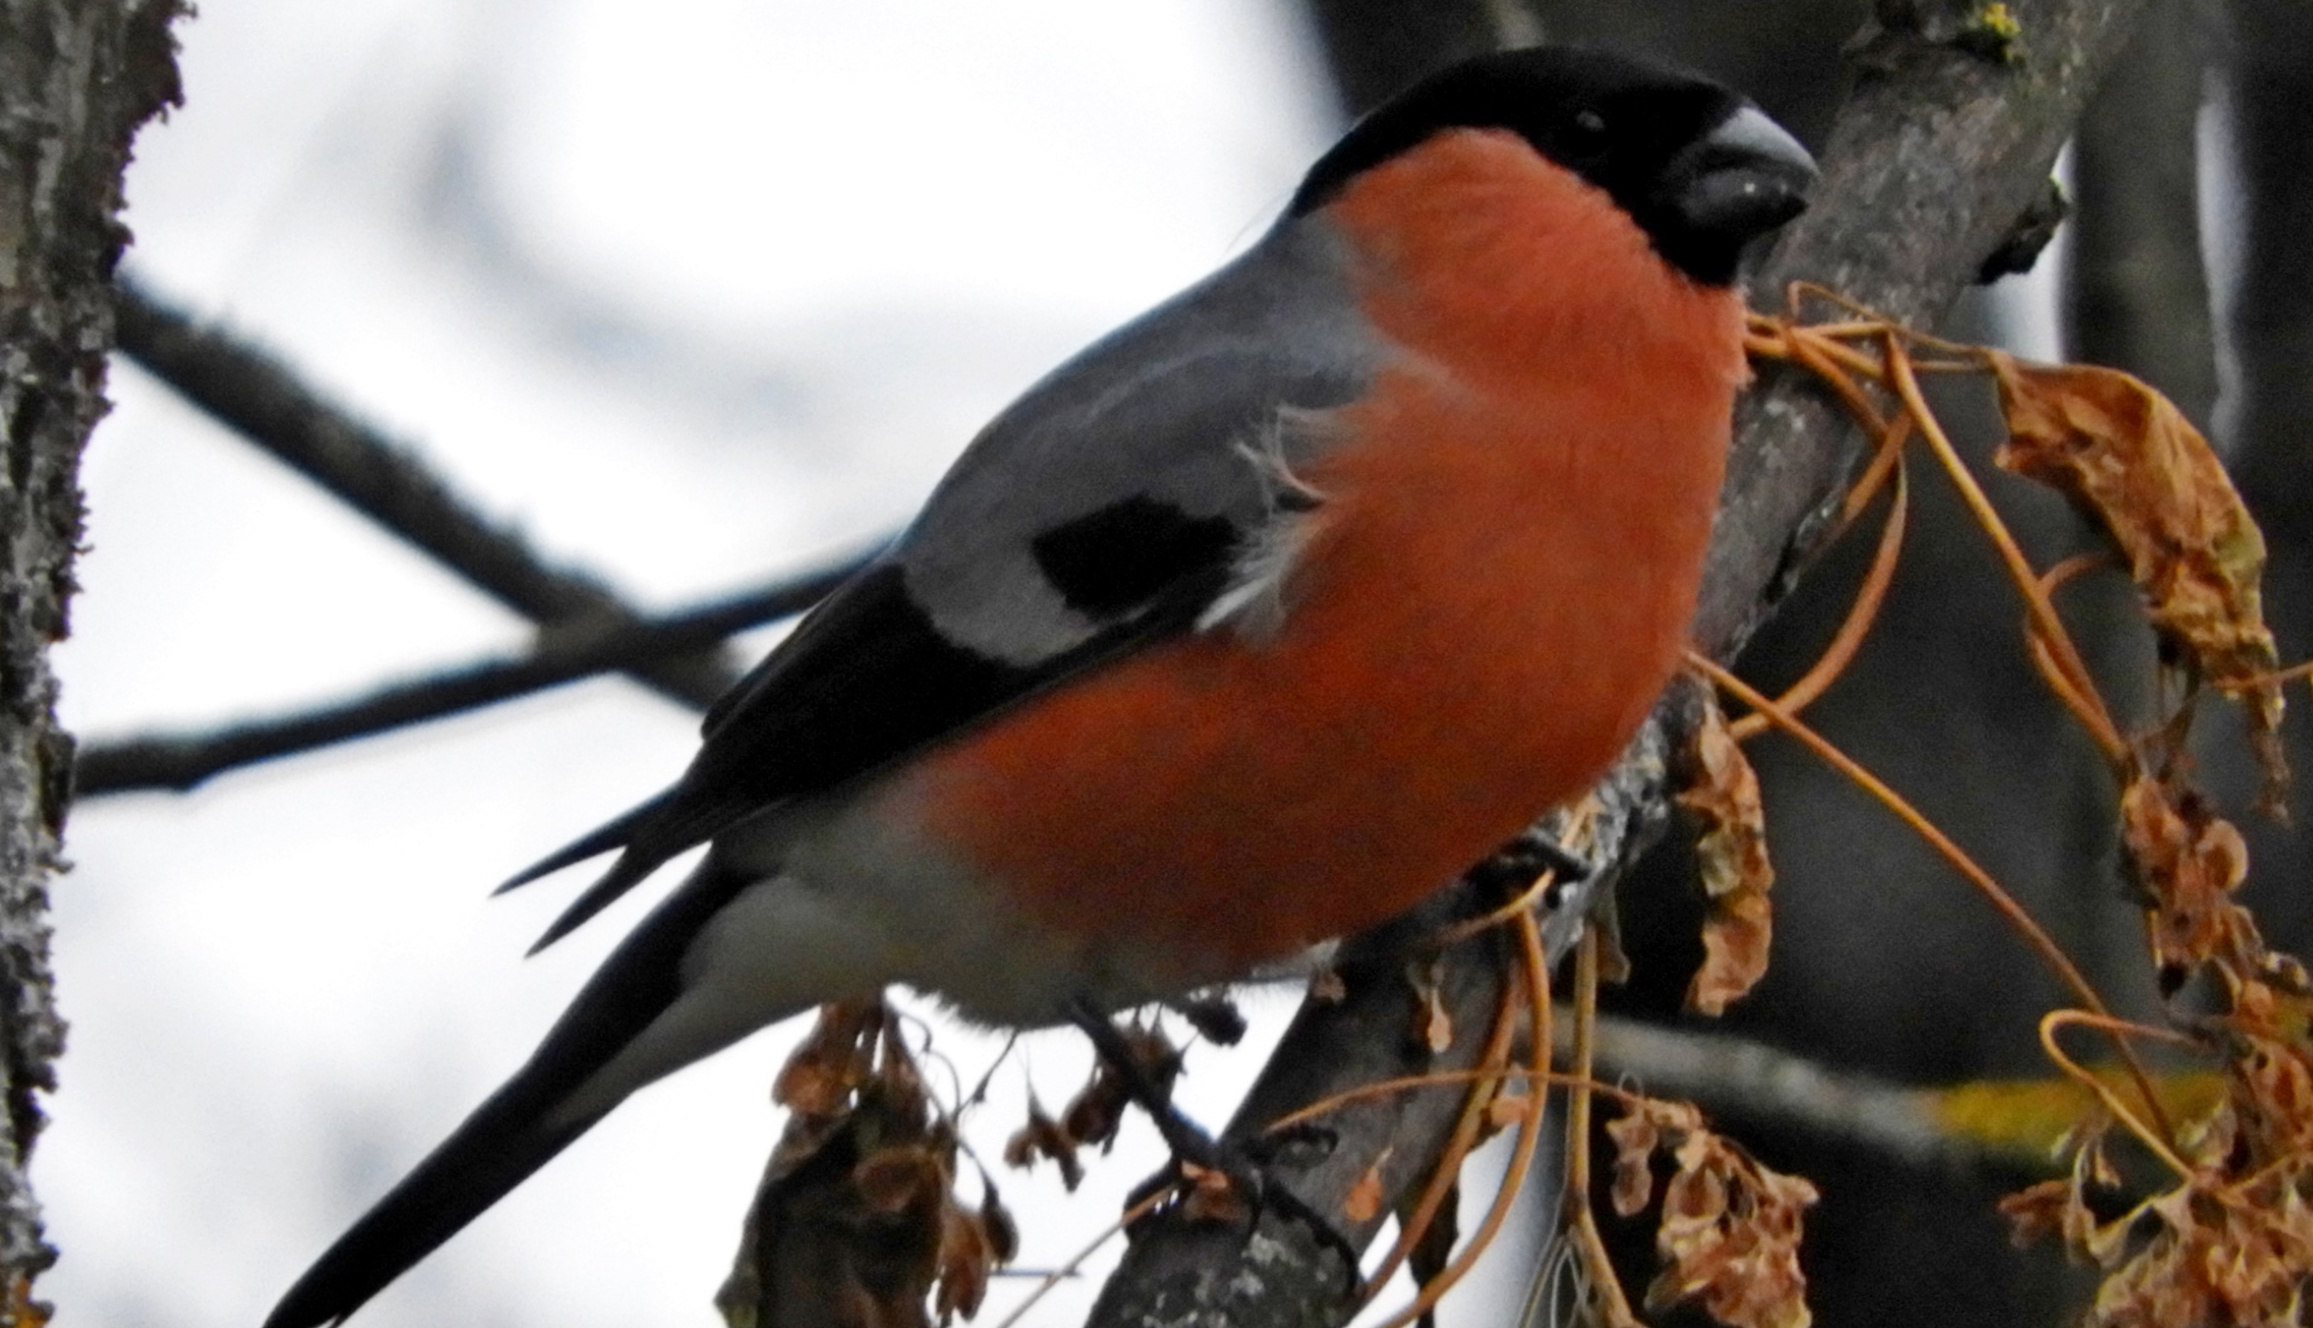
point(1218, 1179)
point(1571, 867)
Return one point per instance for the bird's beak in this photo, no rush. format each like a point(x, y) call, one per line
point(1745, 179)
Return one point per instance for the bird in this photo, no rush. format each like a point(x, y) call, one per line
point(1248, 627)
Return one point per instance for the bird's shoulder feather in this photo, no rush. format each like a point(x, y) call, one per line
point(1117, 503)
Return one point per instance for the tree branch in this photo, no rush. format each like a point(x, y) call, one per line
point(182, 762)
point(253, 394)
point(1944, 142)
point(82, 76)
point(1743, 1081)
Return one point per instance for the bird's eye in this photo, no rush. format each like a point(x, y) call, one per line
point(1590, 124)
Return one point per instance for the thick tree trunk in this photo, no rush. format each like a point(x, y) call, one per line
point(77, 77)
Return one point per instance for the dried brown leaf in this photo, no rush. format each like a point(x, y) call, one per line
point(832, 1061)
point(1042, 1137)
point(2134, 465)
point(1731, 849)
point(2231, 1244)
point(1730, 1237)
point(901, 1178)
point(1003, 1231)
point(1095, 1114)
point(967, 1256)
point(1363, 1203)
point(1636, 1135)
point(1508, 1109)
point(2271, 1100)
point(2189, 861)
point(1326, 987)
point(2218, 1258)
point(1211, 1197)
point(1433, 1024)
point(856, 1223)
point(2039, 1211)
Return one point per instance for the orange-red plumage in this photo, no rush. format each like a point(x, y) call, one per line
point(1498, 583)
point(1117, 718)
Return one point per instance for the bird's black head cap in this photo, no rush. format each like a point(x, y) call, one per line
point(1701, 170)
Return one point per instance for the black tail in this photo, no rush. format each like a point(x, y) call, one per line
point(496, 1149)
point(519, 1128)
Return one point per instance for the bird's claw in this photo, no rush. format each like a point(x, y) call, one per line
point(1242, 1192)
point(1196, 1155)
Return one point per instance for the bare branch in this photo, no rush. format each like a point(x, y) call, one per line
point(253, 394)
point(182, 762)
point(1740, 1080)
point(1945, 141)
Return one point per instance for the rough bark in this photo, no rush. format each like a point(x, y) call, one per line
point(1945, 141)
point(77, 78)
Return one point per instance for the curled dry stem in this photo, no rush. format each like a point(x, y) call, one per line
point(2036, 644)
point(2026, 926)
point(1612, 1305)
point(1494, 1069)
point(2120, 1030)
point(2079, 692)
point(1868, 598)
point(1534, 974)
point(1526, 901)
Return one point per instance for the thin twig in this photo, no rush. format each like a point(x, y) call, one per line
point(1736, 1078)
point(182, 762)
point(1861, 614)
point(1533, 969)
point(1443, 1177)
point(1612, 1303)
point(1067, 1270)
point(259, 398)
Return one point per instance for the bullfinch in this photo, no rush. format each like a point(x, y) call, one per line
point(1248, 627)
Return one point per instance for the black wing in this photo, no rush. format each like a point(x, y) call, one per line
point(1106, 509)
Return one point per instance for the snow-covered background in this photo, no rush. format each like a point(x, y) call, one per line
point(693, 291)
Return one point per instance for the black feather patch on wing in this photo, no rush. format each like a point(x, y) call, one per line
point(1111, 561)
point(867, 679)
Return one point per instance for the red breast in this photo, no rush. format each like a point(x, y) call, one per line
point(1496, 588)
